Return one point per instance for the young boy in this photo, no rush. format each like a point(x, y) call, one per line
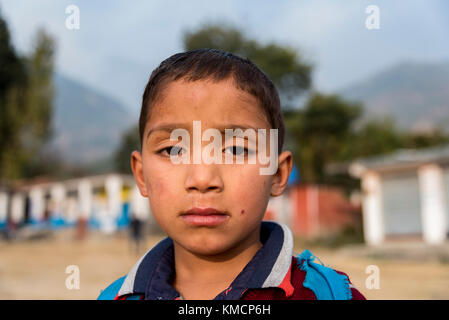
point(217, 245)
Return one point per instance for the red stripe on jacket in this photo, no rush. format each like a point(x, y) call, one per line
point(296, 279)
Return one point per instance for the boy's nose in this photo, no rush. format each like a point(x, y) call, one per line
point(203, 178)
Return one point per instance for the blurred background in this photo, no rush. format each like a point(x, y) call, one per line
point(364, 87)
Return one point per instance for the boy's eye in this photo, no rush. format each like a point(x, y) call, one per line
point(172, 150)
point(236, 150)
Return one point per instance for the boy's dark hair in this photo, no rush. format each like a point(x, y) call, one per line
point(216, 65)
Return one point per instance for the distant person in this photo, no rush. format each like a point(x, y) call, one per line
point(81, 228)
point(139, 214)
point(136, 232)
point(217, 245)
point(10, 229)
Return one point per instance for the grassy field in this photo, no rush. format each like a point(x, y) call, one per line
point(37, 269)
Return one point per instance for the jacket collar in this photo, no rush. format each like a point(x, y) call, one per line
point(270, 267)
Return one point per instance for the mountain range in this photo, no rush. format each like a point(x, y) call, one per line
point(87, 124)
point(416, 94)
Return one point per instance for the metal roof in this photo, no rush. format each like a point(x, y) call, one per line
point(403, 159)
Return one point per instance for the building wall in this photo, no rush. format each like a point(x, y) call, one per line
point(409, 203)
point(401, 204)
point(315, 211)
point(446, 193)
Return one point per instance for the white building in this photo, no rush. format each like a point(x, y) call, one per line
point(101, 200)
point(405, 196)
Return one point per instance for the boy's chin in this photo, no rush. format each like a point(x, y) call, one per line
point(207, 247)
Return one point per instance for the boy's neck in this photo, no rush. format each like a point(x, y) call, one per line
point(204, 277)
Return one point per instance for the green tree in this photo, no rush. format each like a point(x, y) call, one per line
point(425, 139)
point(380, 136)
point(40, 94)
point(283, 64)
point(320, 131)
point(26, 96)
point(13, 81)
point(373, 137)
point(130, 142)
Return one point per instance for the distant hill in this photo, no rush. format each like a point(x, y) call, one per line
point(416, 94)
point(87, 124)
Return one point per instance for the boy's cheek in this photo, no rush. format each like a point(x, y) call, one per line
point(159, 185)
point(247, 177)
point(159, 174)
point(248, 187)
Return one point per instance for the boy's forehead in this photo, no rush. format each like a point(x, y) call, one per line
point(208, 91)
point(169, 127)
point(214, 103)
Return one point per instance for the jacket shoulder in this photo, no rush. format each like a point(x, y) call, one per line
point(325, 282)
point(355, 293)
point(111, 291)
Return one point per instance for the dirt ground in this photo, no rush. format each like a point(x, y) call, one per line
point(37, 269)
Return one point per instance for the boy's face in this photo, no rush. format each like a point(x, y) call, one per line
point(237, 191)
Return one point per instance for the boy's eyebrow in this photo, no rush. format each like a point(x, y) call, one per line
point(169, 127)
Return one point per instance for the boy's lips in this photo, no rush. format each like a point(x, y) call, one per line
point(207, 217)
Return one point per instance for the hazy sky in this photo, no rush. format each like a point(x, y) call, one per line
point(119, 43)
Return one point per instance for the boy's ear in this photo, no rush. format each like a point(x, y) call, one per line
point(280, 178)
point(137, 168)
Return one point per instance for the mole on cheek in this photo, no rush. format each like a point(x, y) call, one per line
point(242, 212)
